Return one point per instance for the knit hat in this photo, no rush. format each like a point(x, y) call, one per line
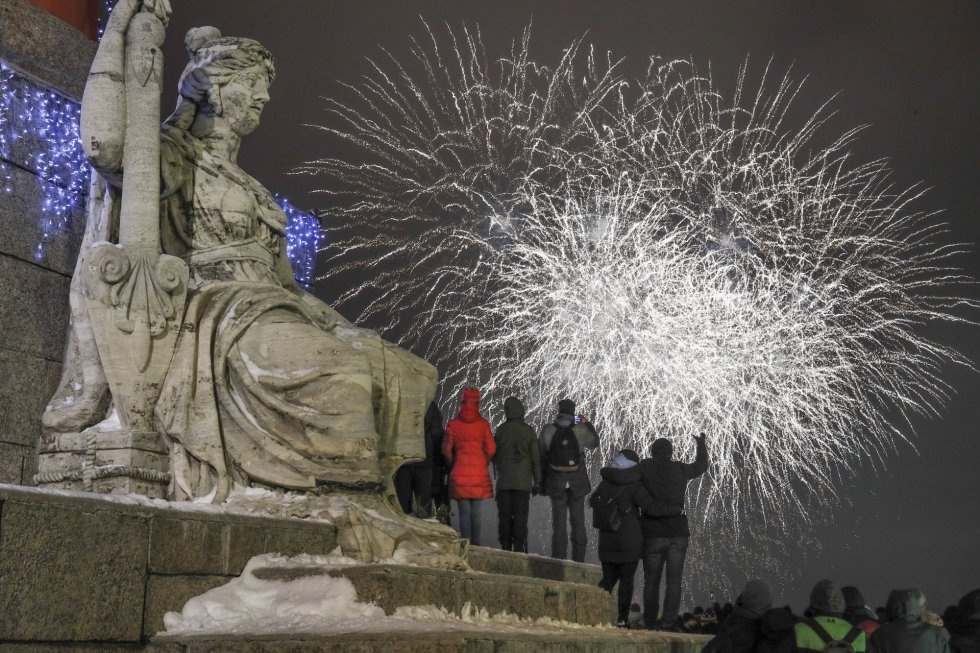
point(662, 448)
point(566, 406)
point(827, 598)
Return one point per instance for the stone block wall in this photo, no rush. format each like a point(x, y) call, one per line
point(50, 54)
point(77, 568)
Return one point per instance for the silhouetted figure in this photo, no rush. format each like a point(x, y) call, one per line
point(857, 612)
point(776, 631)
point(440, 470)
point(741, 631)
point(964, 627)
point(517, 465)
point(414, 480)
point(616, 506)
point(566, 482)
point(905, 631)
point(665, 538)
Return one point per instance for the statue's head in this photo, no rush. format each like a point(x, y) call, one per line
point(225, 76)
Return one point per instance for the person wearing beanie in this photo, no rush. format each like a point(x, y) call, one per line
point(906, 632)
point(826, 622)
point(665, 538)
point(517, 466)
point(741, 630)
point(856, 612)
point(563, 444)
point(468, 447)
point(616, 506)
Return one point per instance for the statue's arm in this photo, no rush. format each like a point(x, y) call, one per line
point(103, 119)
point(285, 271)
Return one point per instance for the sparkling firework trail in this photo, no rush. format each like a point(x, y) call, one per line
point(675, 261)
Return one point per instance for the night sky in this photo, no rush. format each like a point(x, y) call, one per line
point(907, 69)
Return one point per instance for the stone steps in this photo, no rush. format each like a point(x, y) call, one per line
point(497, 561)
point(393, 586)
point(445, 639)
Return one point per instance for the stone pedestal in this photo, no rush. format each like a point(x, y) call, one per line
point(110, 462)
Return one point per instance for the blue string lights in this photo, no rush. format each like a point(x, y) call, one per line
point(39, 134)
point(303, 235)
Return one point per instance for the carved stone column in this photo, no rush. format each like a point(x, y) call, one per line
point(134, 296)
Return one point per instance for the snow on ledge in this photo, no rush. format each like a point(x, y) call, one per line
point(323, 604)
point(251, 501)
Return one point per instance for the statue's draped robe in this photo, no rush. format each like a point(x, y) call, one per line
point(267, 384)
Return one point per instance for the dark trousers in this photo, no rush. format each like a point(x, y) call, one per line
point(622, 573)
point(575, 508)
point(415, 481)
point(512, 509)
point(660, 552)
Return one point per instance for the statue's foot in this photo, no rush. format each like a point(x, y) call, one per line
point(74, 414)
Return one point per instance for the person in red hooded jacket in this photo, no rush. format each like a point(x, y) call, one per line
point(468, 447)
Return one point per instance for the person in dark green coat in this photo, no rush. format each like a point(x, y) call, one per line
point(517, 465)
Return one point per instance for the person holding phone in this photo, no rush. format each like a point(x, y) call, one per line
point(563, 443)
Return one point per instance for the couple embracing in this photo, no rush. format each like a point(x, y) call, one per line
point(659, 535)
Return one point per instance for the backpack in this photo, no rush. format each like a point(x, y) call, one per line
point(605, 511)
point(831, 645)
point(564, 453)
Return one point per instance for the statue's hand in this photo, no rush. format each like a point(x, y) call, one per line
point(159, 8)
point(123, 12)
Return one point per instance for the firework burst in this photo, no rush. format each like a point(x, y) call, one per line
point(675, 261)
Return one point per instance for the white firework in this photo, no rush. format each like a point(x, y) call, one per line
point(675, 262)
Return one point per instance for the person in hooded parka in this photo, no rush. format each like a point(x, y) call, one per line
point(468, 447)
point(905, 631)
point(618, 499)
point(517, 465)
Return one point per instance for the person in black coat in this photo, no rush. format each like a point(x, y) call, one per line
point(419, 478)
point(665, 539)
point(621, 494)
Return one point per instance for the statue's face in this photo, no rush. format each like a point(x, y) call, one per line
point(243, 98)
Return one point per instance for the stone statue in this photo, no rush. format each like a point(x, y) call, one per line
point(194, 361)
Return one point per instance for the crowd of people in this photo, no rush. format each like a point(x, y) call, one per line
point(638, 507)
point(837, 620)
point(638, 511)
